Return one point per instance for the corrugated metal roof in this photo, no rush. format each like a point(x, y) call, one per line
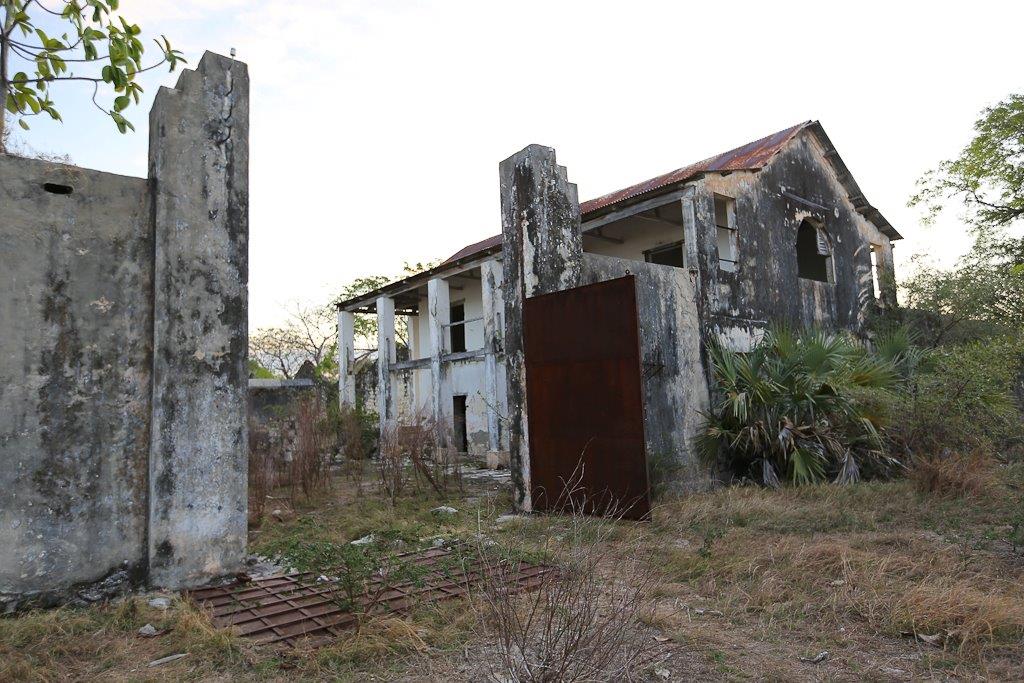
point(751, 156)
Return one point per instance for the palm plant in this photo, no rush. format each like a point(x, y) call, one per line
point(785, 409)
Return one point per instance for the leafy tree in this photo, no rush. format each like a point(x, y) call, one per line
point(308, 334)
point(97, 45)
point(988, 176)
point(981, 296)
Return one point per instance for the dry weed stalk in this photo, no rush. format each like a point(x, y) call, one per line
point(311, 462)
point(261, 472)
point(581, 623)
point(418, 452)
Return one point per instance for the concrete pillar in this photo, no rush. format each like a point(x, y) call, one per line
point(346, 358)
point(199, 176)
point(493, 308)
point(542, 252)
point(386, 355)
point(439, 317)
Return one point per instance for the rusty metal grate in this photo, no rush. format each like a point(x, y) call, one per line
point(290, 608)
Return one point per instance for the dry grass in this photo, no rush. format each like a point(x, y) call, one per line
point(954, 475)
point(895, 584)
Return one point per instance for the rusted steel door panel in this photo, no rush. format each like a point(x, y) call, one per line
point(585, 399)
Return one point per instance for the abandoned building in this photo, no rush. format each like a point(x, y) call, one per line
point(579, 333)
point(124, 301)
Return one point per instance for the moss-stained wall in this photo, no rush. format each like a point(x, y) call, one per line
point(123, 313)
point(799, 183)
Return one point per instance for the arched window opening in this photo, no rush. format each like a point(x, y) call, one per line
point(813, 252)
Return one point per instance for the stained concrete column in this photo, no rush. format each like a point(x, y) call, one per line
point(386, 355)
point(199, 178)
point(439, 314)
point(493, 308)
point(346, 358)
point(542, 252)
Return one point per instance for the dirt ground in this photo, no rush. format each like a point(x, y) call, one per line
point(751, 584)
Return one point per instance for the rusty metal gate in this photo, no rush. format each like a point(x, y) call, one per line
point(585, 401)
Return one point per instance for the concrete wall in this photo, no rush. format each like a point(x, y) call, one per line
point(675, 388)
point(75, 366)
point(123, 354)
point(199, 166)
point(765, 285)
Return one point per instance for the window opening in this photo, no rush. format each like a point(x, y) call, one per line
point(458, 327)
point(668, 255)
point(725, 226)
point(813, 252)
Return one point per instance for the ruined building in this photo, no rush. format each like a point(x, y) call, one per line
point(123, 334)
point(581, 329)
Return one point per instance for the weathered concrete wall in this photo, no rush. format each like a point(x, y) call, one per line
point(75, 355)
point(273, 399)
point(123, 355)
point(542, 252)
point(765, 286)
point(199, 166)
point(675, 386)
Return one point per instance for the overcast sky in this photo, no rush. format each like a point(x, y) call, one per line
point(377, 126)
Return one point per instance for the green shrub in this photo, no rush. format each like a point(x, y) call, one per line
point(788, 410)
point(961, 400)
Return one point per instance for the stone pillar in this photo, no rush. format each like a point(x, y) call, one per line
point(199, 179)
point(386, 355)
point(542, 252)
point(346, 358)
point(439, 314)
point(493, 308)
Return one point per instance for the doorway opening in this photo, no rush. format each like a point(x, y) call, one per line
point(461, 435)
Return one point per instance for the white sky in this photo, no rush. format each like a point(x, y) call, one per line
point(377, 127)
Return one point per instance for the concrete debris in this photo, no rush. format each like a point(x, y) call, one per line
point(160, 603)
point(816, 659)
point(167, 659)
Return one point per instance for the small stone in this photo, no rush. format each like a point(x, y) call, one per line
point(444, 510)
point(505, 519)
point(438, 542)
point(663, 674)
point(160, 603)
point(148, 631)
point(365, 540)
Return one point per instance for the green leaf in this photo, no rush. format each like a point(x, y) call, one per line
point(21, 122)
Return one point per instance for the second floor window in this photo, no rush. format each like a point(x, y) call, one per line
point(813, 252)
point(725, 226)
point(458, 328)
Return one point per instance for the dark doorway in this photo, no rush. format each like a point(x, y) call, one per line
point(811, 253)
point(461, 435)
point(585, 400)
point(458, 327)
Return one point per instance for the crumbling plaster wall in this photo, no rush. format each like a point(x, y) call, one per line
point(123, 354)
point(765, 286)
point(75, 357)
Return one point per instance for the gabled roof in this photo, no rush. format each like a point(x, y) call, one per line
point(752, 156)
